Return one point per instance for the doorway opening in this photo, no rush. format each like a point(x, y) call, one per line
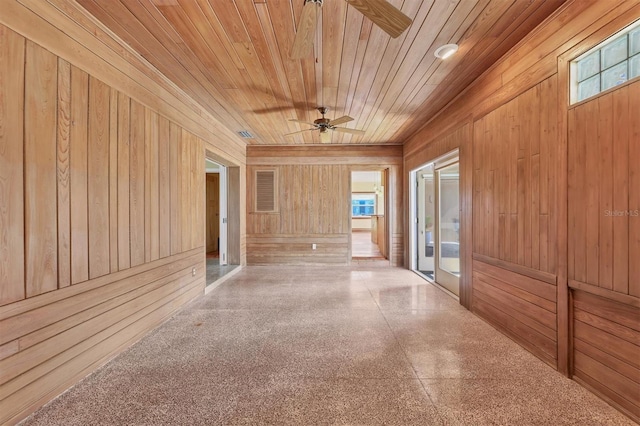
point(435, 215)
point(218, 259)
point(369, 240)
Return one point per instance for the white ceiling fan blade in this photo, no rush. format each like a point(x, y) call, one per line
point(303, 122)
point(384, 15)
point(305, 34)
point(299, 131)
point(352, 131)
point(341, 120)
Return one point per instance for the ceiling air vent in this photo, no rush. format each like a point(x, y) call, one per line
point(245, 134)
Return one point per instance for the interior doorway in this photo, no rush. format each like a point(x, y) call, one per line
point(368, 219)
point(216, 214)
point(435, 210)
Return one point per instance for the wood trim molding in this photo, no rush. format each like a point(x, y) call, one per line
point(603, 292)
point(518, 269)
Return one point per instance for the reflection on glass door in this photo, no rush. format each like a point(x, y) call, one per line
point(437, 203)
point(448, 228)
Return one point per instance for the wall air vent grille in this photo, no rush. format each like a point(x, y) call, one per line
point(265, 191)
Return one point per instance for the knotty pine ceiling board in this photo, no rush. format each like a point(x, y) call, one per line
point(231, 56)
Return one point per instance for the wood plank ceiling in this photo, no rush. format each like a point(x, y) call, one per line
point(231, 56)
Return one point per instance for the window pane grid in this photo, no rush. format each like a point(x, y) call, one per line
point(615, 62)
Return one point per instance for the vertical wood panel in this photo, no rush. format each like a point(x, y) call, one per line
point(136, 183)
point(185, 191)
point(621, 160)
point(634, 190)
point(113, 180)
point(153, 197)
point(78, 176)
point(64, 199)
point(40, 170)
point(603, 191)
point(124, 150)
point(98, 182)
point(12, 52)
point(175, 187)
point(591, 206)
point(512, 200)
point(605, 178)
point(164, 185)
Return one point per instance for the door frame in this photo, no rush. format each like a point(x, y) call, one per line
point(439, 162)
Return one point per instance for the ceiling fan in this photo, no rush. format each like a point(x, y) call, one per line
point(381, 12)
point(324, 125)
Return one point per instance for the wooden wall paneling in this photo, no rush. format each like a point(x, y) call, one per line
point(164, 187)
point(84, 328)
point(605, 180)
point(63, 181)
point(90, 44)
point(136, 183)
point(12, 273)
point(591, 207)
point(98, 178)
point(185, 192)
point(534, 129)
point(113, 180)
point(79, 175)
point(558, 211)
point(606, 344)
point(123, 190)
point(38, 306)
point(40, 156)
point(175, 187)
point(60, 357)
point(634, 190)
point(620, 190)
point(152, 188)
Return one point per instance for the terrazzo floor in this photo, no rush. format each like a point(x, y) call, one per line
point(314, 345)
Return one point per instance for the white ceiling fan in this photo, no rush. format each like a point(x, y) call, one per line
point(324, 125)
point(380, 12)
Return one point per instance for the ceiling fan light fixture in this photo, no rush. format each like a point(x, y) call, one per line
point(446, 51)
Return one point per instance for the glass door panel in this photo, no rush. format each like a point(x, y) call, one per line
point(448, 227)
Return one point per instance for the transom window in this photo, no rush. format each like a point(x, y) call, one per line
point(612, 62)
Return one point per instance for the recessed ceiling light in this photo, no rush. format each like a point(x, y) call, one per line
point(443, 52)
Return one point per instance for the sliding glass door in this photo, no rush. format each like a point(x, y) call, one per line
point(437, 222)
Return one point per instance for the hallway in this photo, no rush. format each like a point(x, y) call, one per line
point(293, 345)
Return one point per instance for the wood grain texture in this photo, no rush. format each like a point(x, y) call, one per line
point(136, 183)
point(175, 187)
point(152, 188)
point(513, 181)
point(124, 155)
point(164, 187)
point(98, 178)
point(606, 345)
point(63, 178)
point(40, 156)
point(113, 180)
point(12, 274)
point(79, 176)
point(603, 208)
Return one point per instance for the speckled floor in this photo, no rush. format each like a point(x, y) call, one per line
point(312, 345)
